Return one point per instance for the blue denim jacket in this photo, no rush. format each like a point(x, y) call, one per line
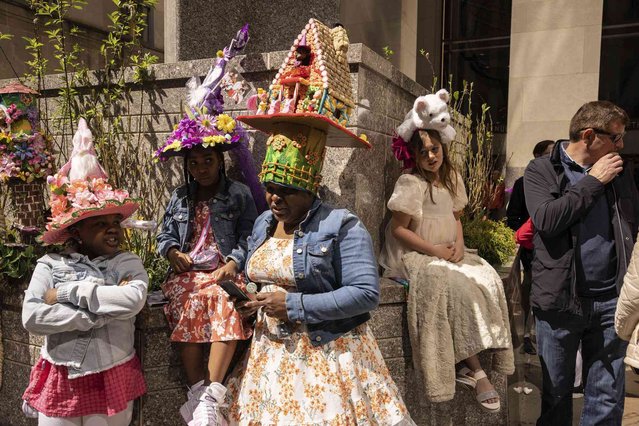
point(232, 215)
point(92, 326)
point(335, 271)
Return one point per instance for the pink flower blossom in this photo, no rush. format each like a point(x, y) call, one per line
point(402, 153)
point(84, 199)
point(58, 205)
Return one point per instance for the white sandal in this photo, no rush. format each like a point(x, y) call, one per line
point(490, 407)
point(465, 377)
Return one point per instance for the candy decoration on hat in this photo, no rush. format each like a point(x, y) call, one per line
point(309, 103)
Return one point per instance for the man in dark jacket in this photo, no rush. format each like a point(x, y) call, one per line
point(584, 209)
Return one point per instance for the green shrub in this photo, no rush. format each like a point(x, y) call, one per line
point(494, 241)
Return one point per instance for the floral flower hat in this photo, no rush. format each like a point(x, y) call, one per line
point(81, 190)
point(199, 128)
point(204, 123)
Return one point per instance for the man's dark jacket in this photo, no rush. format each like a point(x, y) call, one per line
point(556, 208)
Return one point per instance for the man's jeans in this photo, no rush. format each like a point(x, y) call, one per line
point(558, 337)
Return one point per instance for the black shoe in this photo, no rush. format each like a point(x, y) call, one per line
point(528, 347)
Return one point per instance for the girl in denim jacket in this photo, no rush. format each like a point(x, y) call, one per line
point(205, 227)
point(84, 302)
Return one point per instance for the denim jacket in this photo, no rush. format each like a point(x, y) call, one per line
point(92, 326)
point(232, 215)
point(335, 271)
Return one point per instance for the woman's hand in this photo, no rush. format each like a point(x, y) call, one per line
point(226, 272)
point(273, 304)
point(51, 296)
point(458, 254)
point(247, 309)
point(180, 262)
point(442, 251)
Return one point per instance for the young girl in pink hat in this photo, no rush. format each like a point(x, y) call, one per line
point(84, 302)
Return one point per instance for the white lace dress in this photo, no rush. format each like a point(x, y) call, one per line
point(455, 310)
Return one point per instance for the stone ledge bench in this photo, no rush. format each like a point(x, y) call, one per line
point(164, 375)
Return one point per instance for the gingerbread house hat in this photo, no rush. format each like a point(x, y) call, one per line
point(81, 190)
point(307, 108)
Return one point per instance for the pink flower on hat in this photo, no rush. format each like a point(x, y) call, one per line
point(402, 152)
point(58, 205)
point(85, 195)
point(84, 199)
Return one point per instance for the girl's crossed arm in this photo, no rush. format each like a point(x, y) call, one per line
point(41, 318)
point(115, 301)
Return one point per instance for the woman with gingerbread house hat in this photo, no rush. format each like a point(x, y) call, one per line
point(313, 359)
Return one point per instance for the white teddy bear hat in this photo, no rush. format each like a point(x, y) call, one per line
point(429, 112)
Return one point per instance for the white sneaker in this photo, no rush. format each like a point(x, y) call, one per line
point(208, 412)
point(192, 400)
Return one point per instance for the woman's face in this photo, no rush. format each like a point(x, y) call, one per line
point(204, 165)
point(431, 154)
point(99, 235)
point(288, 205)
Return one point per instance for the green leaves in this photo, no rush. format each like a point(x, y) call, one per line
point(17, 261)
point(4, 36)
point(494, 241)
point(388, 52)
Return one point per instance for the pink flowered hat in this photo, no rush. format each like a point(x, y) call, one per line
point(81, 190)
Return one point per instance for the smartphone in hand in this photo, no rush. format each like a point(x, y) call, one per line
point(234, 291)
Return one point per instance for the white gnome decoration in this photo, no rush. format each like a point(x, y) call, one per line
point(83, 163)
point(429, 112)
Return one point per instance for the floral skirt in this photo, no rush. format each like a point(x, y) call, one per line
point(292, 382)
point(200, 311)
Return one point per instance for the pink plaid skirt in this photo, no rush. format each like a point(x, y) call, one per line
point(52, 393)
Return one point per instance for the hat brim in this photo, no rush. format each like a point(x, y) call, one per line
point(337, 136)
point(182, 153)
point(60, 234)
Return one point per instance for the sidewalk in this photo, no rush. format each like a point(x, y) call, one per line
point(524, 409)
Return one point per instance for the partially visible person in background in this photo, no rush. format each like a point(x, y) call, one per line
point(495, 195)
point(627, 314)
point(516, 217)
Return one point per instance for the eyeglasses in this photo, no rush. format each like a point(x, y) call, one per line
point(614, 137)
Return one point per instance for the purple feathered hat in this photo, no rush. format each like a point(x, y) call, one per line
point(204, 123)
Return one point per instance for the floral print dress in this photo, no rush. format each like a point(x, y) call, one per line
point(199, 310)
point(288, 381)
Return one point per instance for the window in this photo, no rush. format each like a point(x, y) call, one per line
point(476, 46)
point(619, 66)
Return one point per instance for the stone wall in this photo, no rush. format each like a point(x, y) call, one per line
point(360, 180)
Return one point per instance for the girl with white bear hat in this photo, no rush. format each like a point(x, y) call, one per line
point(456, 302)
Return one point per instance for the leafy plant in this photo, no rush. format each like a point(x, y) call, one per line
point(17, 261)
point(143, 243)
point(108, 98)
point(493, 240)
point(388, 52)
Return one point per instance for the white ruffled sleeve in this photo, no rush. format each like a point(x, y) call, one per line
point(460, 199)
point(408, 196)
